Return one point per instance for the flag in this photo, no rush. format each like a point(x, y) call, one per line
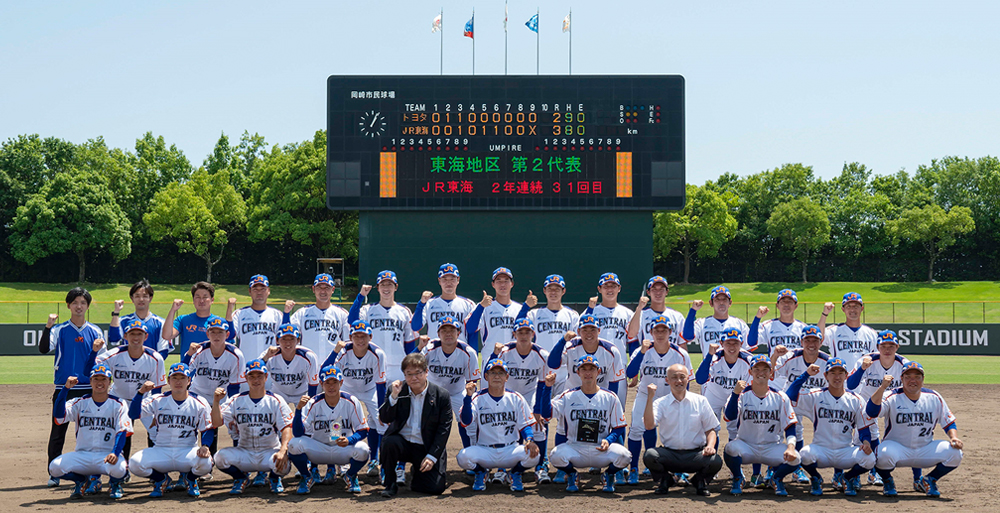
point(532, 24)
point(566, 21)
point(436, 24)
point(505, 16)
point(468, 28)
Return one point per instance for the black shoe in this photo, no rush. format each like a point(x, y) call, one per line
point(702, 489)
point(390, 491)
point(663, 488)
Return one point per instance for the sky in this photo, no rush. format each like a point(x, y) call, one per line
point(889, 84)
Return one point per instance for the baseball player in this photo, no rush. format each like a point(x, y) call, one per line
point(179, 417)
point(256, 325)
point(766, 428)
point(102, 425)
point(494, 319)
point(497, 420)
point(910, 414)
point(215, 364)
point(719, 373)
point(363, 366)
point(837, 415)
point(789, 365)
point(451, 364)
point(329, 428)
point(588, 342)
point(431, 310)
point(191, 327)
point(786, 330)
point(294, 368)
point(708, 330)
point(591, 427)
point(324, 324)
point(851, 340)
point(389, 321)
point(652, 305)
point(649, 364)
point(527, 366)
point(554, 322)
point(141, 295)
point(612, 318)
point(263, 422)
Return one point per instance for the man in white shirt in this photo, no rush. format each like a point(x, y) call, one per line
point(687, 432)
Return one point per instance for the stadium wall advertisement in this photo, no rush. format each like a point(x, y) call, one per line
point(914, 338)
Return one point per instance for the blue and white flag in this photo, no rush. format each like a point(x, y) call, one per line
point(532, 24)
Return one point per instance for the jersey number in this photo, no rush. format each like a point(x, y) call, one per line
point(264, 431)
point(771, 430)
point(926, 431)
point(186, 433)
point(107, 437)
point(509, 430)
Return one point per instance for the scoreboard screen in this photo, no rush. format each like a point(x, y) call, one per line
point(505, 142)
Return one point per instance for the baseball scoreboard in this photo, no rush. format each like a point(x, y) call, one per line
point(505, 142)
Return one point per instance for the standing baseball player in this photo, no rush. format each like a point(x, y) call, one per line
point(102, 425)
point(719, 373)
point(766, 428)
point(294, 368)
point(389, 322)
point(786, 330)
point(324, 324)
point(431, 310)
point(589, 342)
point(649, 364)
point(612, 319)
point(851, 340)
point(141, 295)
point(257, 325)
point(329, 429)
point(837, 415)
point(493, 319)
point(451, 364)
point(363, 366)
point(652, 305)
point(191, 327)
point(215, 364)
point(263, 422)
point(708, 330)
point(553, 322)
point(178, 417)
point(591, 427)
point(911, 412)
point(497, 421)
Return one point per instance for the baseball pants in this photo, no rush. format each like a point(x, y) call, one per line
point(57, 435)
point(586, 455)
point(893, 454)
point(371, 407)
point(86, 464)
point(499, 457)
point(321, 453)
point(844, 457)
point(768, 454)
point(169, 459)
point(249, 461)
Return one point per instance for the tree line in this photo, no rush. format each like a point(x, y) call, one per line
point(86, 211)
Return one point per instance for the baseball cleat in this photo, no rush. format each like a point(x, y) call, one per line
point(737, 488)
point(93, 486)
point(53, 482)
point(128, 477)
point(572, 481)
point(874, 479)
point(851, 486)
point(645, 472)
point(816, 486)
point(756, 481)
point(839, 483)
point(889, 487)
point(77, 491)
point(352, 484)
point(176, 486)
point(115, 490)
point(330, 477)
point(500, 476)
point(479, 483)
point(239, 486)
point(594, 471)
point(560, 477)
point(633, 476)
point(159, 487)
point(608, 483)
point(373, 469)
point(206, 477)
point(542, 475)
point(779, 489)
point(259, 480)
point(768, 479)
point(401, 474)
point(620, 477)
point(276, 485)
point(192, 488)
point(305, 485)
point(930, 485)
point(516, 482)
point(918, 486)
point(801, 476)
point(682, 479)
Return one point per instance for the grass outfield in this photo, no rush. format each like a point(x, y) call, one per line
point(964, 370)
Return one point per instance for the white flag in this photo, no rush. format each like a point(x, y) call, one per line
point(505, 16)
point(436, 24)
point(566, 23)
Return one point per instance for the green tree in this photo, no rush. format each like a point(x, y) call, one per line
point(933, 228)
point(198, 215)
point(288, 201)
point(74, 212)
point(157, 165)
point(701, 228)
point(240, 161)
point(27, 162)
point(803, 226)
point(857, 211)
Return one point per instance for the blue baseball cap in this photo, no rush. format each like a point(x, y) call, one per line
point(288, 329)
point(451, 321)
point(259, 279)
point(135, 324)
point(554, 279)
point(101, 370)
point(887, 337)
point(523, 323)
point(257, 365)
point(730, 334)
point(657, 279)
point(852, 296)
point(331, 372)
point(911, 365)
point(720, 290)
point(588, 320)
point(587, 359)
point(323, 278)
point(504, 271)
point(496, 362)
point(447, 269)
point(180, 368)
point(661, 320)
point(783, 293)
point(833, 363)
point(608, 278)
point(811, 331)
point(386, 275)
point(216, 322)
point(360, 326)
point(758, 359)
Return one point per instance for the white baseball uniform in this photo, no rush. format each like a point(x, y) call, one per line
point(760, 436)
point(614, 328)
point(871, 379)
point(361, 377)
point(324, 425)
point(550, 327)
point(773, 333)
point(97, 426)
point(290, 380)
point(452, 371)
point(653, 370)
point(708, 330)
point(793, 364)
point(525, 373)
point(129, 374)
point(612, 368)
point(322, 329)
point(497, 323)
point(722, 378)
point(258, 424)
point(176, 436)
point(676, 318)
point(256, 331)
point(438, 308)
point(390, 330)
point(209, 372)
point(909, 432)
point(495, 432)
point(836, 421)
point(850, 344)
point(586, 420)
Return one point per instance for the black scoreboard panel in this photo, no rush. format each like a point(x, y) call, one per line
point(505, 142)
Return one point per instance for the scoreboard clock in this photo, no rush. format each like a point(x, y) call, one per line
point(505, 142)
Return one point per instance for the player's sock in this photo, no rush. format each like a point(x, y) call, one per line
point(634, 447)
point(755, 468)
point(884, 474)
point(234, 472)
point(735, 464)
point(940, 471)
point(374, 439)
point(612, 470)
point(812, 470)
point(783, 470)
point(73, 476)
point(465, 436)
point(479, 468)
point(156, 476)
point(649, 439)
point(355, 467)
point(855, 471)
point(301, 462)
point(517, 469)
point(543, 446)
point(560, 439)
point(190, 476)
point(917, 472)
point(567, 469)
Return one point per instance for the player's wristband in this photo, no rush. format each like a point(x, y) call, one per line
point(790, 440)
point(115, 314)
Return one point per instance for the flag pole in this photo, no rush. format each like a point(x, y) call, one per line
point(473, 41)
point(442, 40)
point(537, 52)
point(571, 41)
point(505, 37)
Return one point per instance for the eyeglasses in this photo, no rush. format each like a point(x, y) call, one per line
point(414, 374)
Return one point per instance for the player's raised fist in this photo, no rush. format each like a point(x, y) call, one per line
point(762, 311)
point(146, 387)
point(827, 308)
point(302, 402)
point(634, 382)
point(98, 345)
point(426, 296)
point(643, 301)
point(271, 352)
point(550, 379)
point(697, 304)
point(866, 362)
point(365, 289)
point(651, 389)
point(119, 304)
point(570, 335)
point(593, 302)
point(71, 382)
point(422, 341)
point(713, 348)
point(193, 349)
point(487, 300)
point(813, 370)
point(396, 387)
point(178, 303)
point(289, 305)
point(470, 388)
point(232, 302)
point(498, 348)
point(52, 320)
point(339, 346)
point(886, 381)
point(779, 351)
point(739, 387)
point(531, 300)
point(646, 344)
point(220, 394)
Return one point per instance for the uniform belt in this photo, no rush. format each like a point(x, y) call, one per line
point(500, 446)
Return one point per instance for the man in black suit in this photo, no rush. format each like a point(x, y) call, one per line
point(419, 416)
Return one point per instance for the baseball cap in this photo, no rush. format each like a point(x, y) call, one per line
point(783, 293)
point(833, 363)
point(451, 321)
point(609, 278)
point(661, 320)
point(256, 365)
point(496, 362)
point(587, 359)
point(331, 371)
point(502, 270)
point(288, 329)
point(721, 289)
point(811, 331)
point(911, 365)
point(135, 324)
point(447, 269)
point(360, 326)
point(554, 279)
point(323, 278)
point(588, 320)
point(259, 279)
point(758, 359)
point(179, 368)
point(522, 323)
point(216, 322)
point(852, 296)
point(656, 279)
point(386, 275)
point(101, 370)
point(887, 337)
point(730, 334)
